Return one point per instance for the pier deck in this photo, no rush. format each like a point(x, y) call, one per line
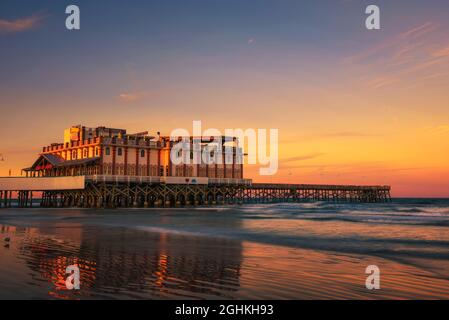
point(121, 191)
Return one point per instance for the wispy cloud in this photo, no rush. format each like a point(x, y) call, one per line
point(328, 135)
point(131, 96)
point(436, 75)
point(377, 168)
point(443, 52)
point(442, 129)
point(382, 81)
point(303, 157)
point(416, 51)
point(419, 30)
point(346, 134)
point(340, 167)
point(21, 24)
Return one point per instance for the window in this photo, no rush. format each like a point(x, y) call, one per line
point(142, 153)
point(96, 151)
point(119, 151)
point(85, 153)
point(108, 151)
point(74, 154)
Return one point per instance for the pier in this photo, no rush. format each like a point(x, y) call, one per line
point(103, 191)
point(108, 168)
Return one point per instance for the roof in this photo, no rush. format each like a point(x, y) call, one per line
point(77, 162)
point(58, 162)
point(54, 160)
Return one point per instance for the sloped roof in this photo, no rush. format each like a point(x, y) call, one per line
point(59, 162)
point(77, 162)
point(53, 159)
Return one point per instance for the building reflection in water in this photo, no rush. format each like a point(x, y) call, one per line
point(127, 263)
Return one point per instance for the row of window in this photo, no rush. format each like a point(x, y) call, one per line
point(142, 153)
point(120, 152)
point(97, 153)
point(85, 153)
point(131, 170)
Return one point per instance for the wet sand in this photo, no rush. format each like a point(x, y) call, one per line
point(292, 251)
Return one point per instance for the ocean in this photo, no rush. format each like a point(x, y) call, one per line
point(312, 250)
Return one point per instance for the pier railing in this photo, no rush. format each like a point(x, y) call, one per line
point(230, 181)
point(317, 186)
point(262, 192)
point(122, 179)
point(158, 179)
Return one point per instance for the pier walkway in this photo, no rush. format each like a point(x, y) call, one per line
point(128, 191)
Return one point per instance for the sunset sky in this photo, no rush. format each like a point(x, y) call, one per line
point(352, 106)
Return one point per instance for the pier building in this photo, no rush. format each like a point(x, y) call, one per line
point(108, 151)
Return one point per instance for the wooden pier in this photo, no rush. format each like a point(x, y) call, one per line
point(113, 191)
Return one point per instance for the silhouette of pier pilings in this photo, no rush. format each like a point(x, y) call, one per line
point(143, 195)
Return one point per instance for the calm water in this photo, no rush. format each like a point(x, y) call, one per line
point(279, 251)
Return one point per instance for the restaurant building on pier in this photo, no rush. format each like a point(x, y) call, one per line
point(114, 152)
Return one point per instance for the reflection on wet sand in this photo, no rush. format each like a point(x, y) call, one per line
point(277, 272)
point(124, 263)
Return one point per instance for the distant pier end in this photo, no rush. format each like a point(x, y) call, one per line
point(105, 167)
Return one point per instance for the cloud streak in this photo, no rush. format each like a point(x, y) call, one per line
point(131, 96)
point(443, 52)
point(416, 51)
point(346, 134)
point(442, 129)
point(419, 30)
point(304, 157)
point(21, 24)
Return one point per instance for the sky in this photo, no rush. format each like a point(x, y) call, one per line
point(352, 106)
